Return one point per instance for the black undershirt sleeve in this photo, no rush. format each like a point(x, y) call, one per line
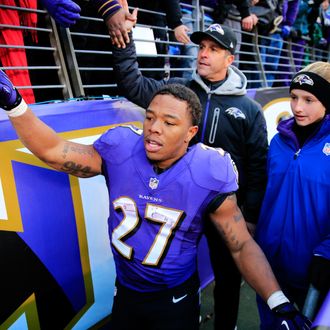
point(217, 201)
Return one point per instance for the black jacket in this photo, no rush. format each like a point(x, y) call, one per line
point(231, 120)
point(223, 8)
point(170, 7)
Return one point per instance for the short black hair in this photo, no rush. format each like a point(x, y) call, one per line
point(183, 93)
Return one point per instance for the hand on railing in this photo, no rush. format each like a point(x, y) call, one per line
point(64, 12)
point(248, 23)
point(181, 34)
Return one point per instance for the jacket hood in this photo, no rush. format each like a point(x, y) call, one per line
point(235, 83)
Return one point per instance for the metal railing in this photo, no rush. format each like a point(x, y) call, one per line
point(77, 62)
point(46, 62)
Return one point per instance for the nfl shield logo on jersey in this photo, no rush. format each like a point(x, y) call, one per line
point(326, 149)
point(153, 183)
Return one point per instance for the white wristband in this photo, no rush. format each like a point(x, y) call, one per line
point(277, 298)
point(19, 110)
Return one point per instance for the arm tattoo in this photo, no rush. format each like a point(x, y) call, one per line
point(70, 147)
point(228, 236)
point(65, 149)
point(77, 169)
point(226, 230)
point(73, 168)
point(238, 214)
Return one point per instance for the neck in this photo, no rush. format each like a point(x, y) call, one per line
point(213, 84)
point(160, 169)
point(305, 132)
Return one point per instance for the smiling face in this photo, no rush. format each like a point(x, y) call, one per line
point(306, 108)
point(212, 60)
point(167, 129)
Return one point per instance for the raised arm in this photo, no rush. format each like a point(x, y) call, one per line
point(73, 158)
point(174, 20)
point(253, 264)
point(131, 82)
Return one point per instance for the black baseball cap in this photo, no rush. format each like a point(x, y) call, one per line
point(222, 34)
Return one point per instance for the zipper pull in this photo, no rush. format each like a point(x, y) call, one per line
point(296, 154)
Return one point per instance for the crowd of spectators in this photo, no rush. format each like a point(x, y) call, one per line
point(282, 29)
point(276, 37)
point(286, 28)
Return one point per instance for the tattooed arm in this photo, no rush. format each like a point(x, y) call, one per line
point(248, 256)
point(73, 158)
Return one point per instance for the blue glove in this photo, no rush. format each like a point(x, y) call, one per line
point(174, 50)
point(289, 318)
point(286, 29)
point(64, 12)
point(9, 96)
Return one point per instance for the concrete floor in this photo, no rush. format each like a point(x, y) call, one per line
point(248, 318)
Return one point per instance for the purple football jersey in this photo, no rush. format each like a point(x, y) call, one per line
point(155, 220)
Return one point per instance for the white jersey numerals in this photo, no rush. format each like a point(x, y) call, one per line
point(168, 219)
point(126, 226)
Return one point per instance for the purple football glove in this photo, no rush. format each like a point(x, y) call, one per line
point(289, 318)
point(9, 96)
point(64, 12)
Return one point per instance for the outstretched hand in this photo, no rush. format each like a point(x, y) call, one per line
point(120, 23)
point(9, 97)
point(64, 12)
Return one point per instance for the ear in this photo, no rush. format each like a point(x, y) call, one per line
point(230, 59)
point(192, 131)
